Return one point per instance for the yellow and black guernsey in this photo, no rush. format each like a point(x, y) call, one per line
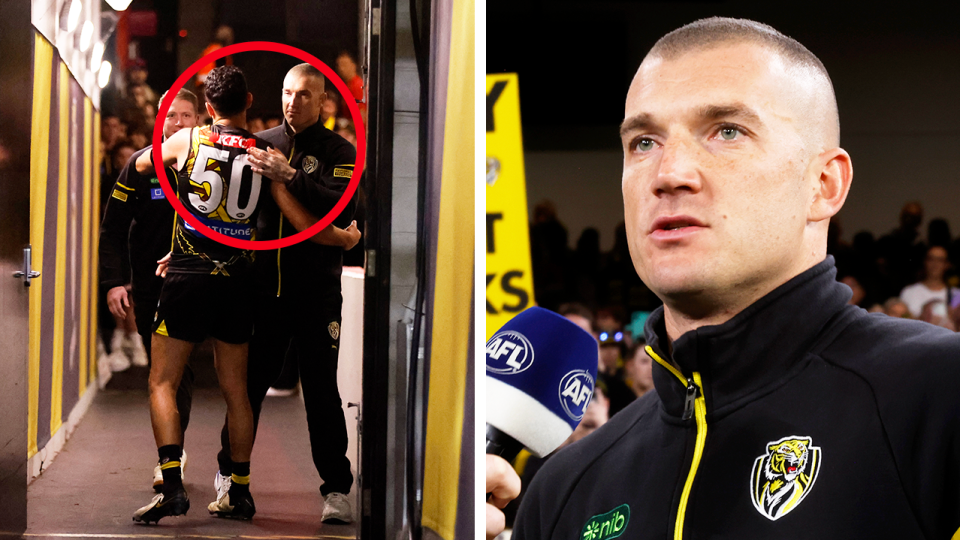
point(217, 185)
point(800, 418)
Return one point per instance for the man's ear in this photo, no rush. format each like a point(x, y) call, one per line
point(833, 184)
point(249, 100)
point(212, 113)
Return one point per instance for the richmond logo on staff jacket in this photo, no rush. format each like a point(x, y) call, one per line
point(783, 477)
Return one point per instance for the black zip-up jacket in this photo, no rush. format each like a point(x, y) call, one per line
point(136, 231)
point(324, 163)
point(801, 417)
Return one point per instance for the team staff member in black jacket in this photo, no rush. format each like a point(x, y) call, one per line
point(299, 298)
point(779, 411)
point(136, 232)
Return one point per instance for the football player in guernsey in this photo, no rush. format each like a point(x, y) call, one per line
point(136, 231)
point(206, 286)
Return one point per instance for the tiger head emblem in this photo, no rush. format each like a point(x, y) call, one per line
point(783, 477)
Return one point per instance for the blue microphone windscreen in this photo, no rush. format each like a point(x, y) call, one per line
point(541, 371)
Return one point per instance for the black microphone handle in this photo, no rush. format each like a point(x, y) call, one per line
point(501, 444)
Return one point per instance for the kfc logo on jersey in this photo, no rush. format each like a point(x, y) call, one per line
point(576, 388)
point(509, 353)
point(233, 141)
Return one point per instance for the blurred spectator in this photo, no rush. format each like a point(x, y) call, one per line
point(116, 159)
point(619, 284)
point(137, 110)
point(346, 130)
point(222, 37)
point(140, 138)
point(137, 76)
point(639, 370)
point(901, 250)
point(347, 69)
point(938, 233)
point(841, 251)
point(579, 315)
point(895, 307)
point(862, 296)
point(585, 268)
point(272, 121)
point(111, 130)
point(930, 298)
point(255, 124)
point(548, 254)
point(328, 114)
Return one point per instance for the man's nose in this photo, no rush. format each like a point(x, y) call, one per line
point(679, 169)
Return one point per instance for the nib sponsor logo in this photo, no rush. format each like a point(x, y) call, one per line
point(608, 525)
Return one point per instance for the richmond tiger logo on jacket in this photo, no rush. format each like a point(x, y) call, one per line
point(783, 477)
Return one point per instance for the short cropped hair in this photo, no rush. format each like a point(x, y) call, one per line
point(306, 70)
point(716, 31)
point(185, 95)
point(225, 88)
point(707, 33)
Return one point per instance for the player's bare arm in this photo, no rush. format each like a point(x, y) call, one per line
point(302, 219)
point(174, 150)
point(271, 164)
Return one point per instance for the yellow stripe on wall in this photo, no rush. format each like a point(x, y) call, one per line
point(95, 250)
point(85, 242)
point(452, 316)
point(60, 287)
point(39, 146)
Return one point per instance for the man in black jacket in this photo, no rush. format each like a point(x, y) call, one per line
point(779, 411)
point(298, 297)
point(136, 232)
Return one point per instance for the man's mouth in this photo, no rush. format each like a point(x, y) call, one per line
point(672, 223)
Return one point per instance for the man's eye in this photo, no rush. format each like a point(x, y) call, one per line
point(645, 145)
point(729, 133)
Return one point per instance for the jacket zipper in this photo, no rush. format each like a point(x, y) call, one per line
point(280, 234)
point(694, 406)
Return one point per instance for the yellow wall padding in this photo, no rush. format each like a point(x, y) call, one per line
point(452, 308)
point(60, 287)
point(94, 250)
point(39, 146)
point(85, 241)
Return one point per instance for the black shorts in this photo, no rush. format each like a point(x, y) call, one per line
point(195, 306)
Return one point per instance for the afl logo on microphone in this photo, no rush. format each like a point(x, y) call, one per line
point(576, 388)
point(509, 353)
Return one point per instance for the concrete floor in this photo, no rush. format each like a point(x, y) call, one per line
point(105, 473)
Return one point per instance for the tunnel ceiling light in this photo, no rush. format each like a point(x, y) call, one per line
point(86, 36)
point(104, 76)
point(96, 56)
point(119, 5)
point(73, 19)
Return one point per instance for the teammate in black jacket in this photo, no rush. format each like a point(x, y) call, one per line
point(299, 301)
point(779, 411)
point(136, 232)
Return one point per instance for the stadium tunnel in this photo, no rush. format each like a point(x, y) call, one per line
point(75, 443)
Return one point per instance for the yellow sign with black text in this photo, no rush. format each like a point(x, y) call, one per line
point(509, 275)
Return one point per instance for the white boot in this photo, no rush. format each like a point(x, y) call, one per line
point(104, 370)
point(138, 355)
point(119, 361)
